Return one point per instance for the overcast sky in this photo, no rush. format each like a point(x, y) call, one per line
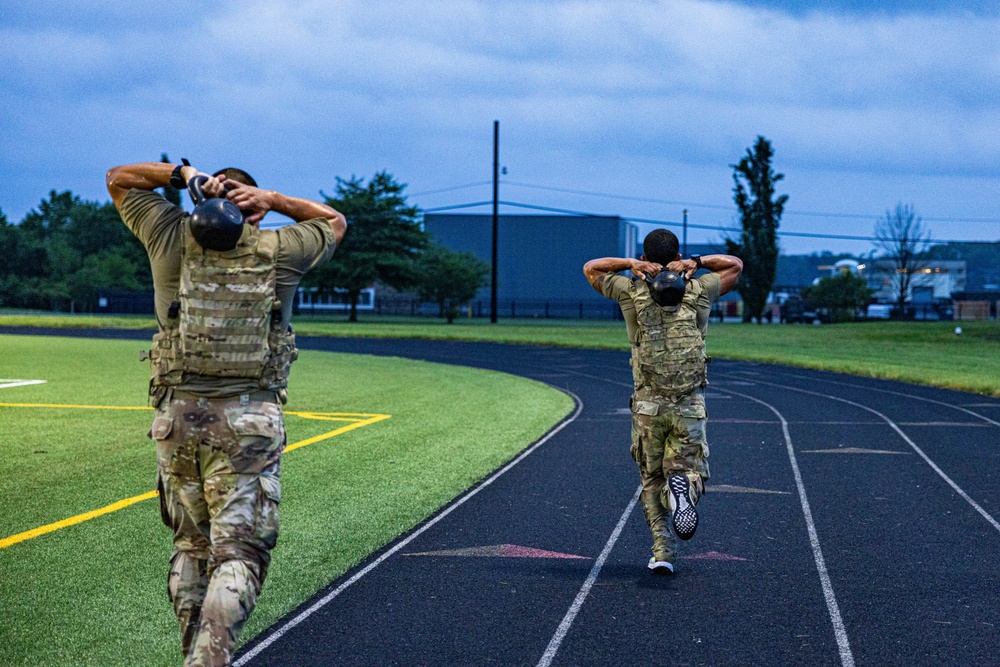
point(640, 100)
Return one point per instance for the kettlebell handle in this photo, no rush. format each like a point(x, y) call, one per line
point(194, 187)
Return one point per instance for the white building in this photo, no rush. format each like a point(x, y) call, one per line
point(931, 280)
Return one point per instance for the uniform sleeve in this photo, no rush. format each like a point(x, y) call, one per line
point(614, 286)
point(150, 217)
point(711, 286)
point(305, 245)
point(621, 289)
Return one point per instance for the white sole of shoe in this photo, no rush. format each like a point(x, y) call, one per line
point(661, 567)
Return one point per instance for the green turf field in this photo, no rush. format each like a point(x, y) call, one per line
point(921, 352)
point(94, 593)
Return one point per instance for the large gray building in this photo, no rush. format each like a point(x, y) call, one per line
point(540, 259)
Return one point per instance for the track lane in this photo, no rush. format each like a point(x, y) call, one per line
point(912, 564)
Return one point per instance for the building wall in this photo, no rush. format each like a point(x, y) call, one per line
point(540, 257)
point(938, 277)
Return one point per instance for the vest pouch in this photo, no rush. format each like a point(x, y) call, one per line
point(279, 364)
point(226, 303)
point(670, 353)
point(164, 362)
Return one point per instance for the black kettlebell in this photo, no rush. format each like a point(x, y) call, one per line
point(217, 223)
point(667, 288)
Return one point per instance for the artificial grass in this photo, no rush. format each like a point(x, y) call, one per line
point(95, 593)
point(919, 352)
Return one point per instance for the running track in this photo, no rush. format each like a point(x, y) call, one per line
point(849, 521)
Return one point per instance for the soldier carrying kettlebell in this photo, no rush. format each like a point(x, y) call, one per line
point(220, 364)
point(666, 316)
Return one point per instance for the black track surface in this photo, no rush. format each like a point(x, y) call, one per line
point(901, 482)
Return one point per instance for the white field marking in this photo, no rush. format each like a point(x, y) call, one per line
point(976, 506)
point(898, 393)
point(326, 599)
point(7, 384)
point(574, 609)
point(839, 631)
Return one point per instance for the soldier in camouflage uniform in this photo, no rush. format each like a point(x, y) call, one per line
point(220, 366)
point(668, 366)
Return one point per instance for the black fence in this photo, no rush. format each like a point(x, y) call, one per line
point(526, 309)
point(120, 302)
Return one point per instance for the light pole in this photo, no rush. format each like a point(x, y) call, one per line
point(684, 252)
point(496, 219)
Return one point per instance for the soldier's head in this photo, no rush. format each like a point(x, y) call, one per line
point(661, 246)
point(238, 175)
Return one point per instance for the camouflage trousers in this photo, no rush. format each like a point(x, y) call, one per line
point(219, 461)
point(668, 436)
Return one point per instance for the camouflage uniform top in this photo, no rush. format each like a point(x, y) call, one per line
point(157, 223)
point(623, 290)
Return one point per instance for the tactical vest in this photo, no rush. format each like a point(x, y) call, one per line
point(668, 355)
point(226, 320)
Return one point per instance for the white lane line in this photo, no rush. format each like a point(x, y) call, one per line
point(898, 393)
point(574, 609)
point(326, 599)
point(976, 506)
point(7, 384)
point(839, 631)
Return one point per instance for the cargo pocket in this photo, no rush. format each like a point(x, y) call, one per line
point(258, 438)
point(161, 428)
point(266, 521)
point(696, 411)
point(645, 408)
point(251, 424)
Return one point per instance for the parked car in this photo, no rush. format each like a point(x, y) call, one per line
point(796, 309)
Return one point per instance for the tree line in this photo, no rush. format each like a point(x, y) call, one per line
point(66, 250)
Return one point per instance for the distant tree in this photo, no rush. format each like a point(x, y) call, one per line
point(903, 238)
point(383, 239)
point(171, 194)
point(760, 212)
point(450, 279)
point(66, 248)
point(842, 295)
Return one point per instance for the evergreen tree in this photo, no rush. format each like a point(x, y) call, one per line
point(760, 212)
point(383, 240)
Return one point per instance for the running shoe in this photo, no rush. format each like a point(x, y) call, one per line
point(660, 566)
point(681, 500)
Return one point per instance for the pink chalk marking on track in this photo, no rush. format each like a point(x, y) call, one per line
point(713, 555)
point(498, 551)
point(514, 551)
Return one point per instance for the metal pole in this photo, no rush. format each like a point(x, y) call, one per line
point(684, 252)
point(496, 193)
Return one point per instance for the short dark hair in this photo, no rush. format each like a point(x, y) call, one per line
point(661, 246)
point(238, 175)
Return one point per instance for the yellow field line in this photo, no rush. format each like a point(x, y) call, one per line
point(342, 429)
point(74, 407)
point(73, 520)
point(358, 420)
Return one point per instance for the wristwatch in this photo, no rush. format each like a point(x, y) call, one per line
point(176, 181)
point(697, 261)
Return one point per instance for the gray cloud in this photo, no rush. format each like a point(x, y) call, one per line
point(590, 91)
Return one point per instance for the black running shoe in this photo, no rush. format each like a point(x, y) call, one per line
point(685, 516)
